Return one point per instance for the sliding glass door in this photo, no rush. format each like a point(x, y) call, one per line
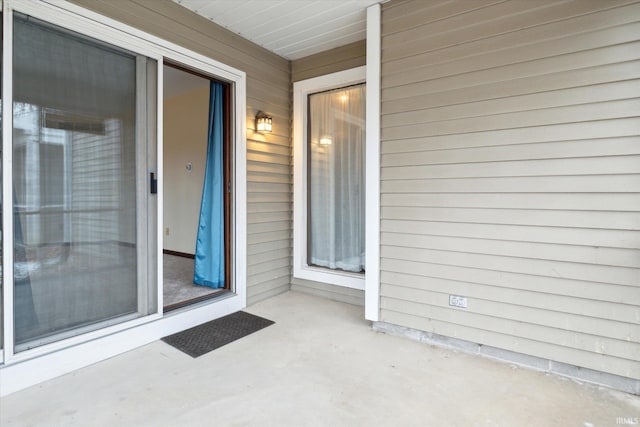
point(83, 115)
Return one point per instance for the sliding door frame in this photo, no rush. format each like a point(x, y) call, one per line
point(7, 185)
point(32, 366)
point(228, 179)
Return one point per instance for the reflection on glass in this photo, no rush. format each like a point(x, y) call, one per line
point(74, 172)
point(336, 205)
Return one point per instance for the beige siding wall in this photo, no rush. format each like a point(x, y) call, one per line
point(268, 156)
point(339, 59)
point(325, 290)
point(510, 175)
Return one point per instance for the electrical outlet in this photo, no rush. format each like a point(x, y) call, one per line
point(166, 231)
point(457, 301)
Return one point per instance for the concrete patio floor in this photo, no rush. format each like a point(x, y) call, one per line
point(319, 365)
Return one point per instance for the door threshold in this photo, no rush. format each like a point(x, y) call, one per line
point(181, 304)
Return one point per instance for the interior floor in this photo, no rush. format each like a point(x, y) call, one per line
point(178, 284)
point(320, 364)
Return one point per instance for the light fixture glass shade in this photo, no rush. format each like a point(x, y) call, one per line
point(325, 140)
point(263, 122)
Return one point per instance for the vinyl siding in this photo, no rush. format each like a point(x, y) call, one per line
point(511, 173)
point(325, 290)
point(268, 156)
point(339, 59)
point(331, 61)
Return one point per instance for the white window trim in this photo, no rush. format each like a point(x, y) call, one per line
point(301, 90)
point(18, 371)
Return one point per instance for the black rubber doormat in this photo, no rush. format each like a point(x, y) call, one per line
point(207, 337)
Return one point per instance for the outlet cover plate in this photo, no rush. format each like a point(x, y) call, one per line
point(458, 301)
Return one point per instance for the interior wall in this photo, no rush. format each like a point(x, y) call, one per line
point(510, 170)
point(269, 186)
point(185, 141)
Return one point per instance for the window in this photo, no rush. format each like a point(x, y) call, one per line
point(329, 179)
point(336, 146)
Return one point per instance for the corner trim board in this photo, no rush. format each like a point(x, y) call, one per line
point(372, 278)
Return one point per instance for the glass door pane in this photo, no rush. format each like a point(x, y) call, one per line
point(76, 184)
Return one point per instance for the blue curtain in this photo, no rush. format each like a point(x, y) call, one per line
point(209, 262)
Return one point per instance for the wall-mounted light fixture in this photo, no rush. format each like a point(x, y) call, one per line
point(325, 140)
point(263, 122)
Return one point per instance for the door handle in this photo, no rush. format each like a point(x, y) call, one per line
point(153, 183)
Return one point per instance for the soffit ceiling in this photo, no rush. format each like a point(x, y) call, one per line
point(292, 29)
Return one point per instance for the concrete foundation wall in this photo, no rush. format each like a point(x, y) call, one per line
point(596, 377)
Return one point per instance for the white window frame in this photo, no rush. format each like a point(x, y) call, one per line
point(21, 370)
point(301, 92)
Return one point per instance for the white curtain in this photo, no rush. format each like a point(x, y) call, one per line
point(336, 210)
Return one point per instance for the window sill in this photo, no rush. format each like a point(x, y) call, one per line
point(332, 277)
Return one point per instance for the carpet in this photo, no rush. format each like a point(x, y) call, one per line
point(178, 281)
point(207, 337)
